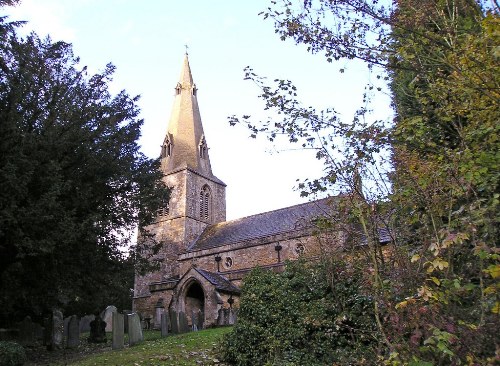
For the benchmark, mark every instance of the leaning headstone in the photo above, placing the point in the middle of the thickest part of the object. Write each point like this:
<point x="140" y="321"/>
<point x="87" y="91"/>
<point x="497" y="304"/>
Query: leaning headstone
<point x="118" y="331"/>
<point x="85" y="323"/>
<point x="107" y="317"/>
<point x="97" y="330"/>
<point x="73" y="338"/>
<point x="174" y="321"/>
<point x="164" y="324"/>
<point x="183" y="323"/>
<point x="134" y="329"/>
<point x="200" y="318"/>
<point x="57" y="331"/>
<point x="26" y="332"/>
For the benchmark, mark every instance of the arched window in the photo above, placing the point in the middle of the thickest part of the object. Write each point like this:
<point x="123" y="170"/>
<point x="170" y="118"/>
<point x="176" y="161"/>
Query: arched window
<point x="166" y="148"/>
<point x="178" y="89"/>
<point x="205" y="203"/>
<point x="164" y="208"/>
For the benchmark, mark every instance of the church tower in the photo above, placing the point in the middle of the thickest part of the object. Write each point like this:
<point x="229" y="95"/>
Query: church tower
<point x="197" y="199"/>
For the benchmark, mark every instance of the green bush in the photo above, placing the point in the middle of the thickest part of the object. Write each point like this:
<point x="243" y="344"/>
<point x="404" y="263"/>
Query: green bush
<point x="12" y="354"/>
<point x="311" y="314"/>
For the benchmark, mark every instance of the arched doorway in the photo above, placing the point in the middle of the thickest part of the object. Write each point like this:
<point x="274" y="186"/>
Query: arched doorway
<point x="194" y="305"/>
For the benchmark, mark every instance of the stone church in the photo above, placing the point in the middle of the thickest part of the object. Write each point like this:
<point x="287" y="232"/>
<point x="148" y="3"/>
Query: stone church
<point x="204" y="257"/>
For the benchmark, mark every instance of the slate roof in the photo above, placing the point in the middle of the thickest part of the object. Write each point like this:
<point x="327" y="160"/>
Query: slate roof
<point x="285" y="220"/>
<point x="220" y="282"/>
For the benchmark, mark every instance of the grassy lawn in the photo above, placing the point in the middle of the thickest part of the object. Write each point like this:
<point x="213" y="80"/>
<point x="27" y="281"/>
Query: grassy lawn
<point x="195" y="348"/>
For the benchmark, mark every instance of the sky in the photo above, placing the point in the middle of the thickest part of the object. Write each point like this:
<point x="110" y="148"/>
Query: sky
<point x="146" y="41"/>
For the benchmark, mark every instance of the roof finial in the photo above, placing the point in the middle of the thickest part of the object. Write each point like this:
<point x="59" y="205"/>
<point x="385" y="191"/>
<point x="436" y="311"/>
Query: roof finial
<point x="186" y="49"/>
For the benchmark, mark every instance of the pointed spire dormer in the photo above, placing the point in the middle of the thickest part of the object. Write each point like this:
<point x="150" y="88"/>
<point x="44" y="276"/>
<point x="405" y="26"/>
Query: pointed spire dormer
<point x="184" y="144"/>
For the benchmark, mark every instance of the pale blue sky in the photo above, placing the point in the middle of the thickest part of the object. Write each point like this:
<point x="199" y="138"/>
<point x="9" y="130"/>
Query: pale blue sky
<point x="145" y="40"/>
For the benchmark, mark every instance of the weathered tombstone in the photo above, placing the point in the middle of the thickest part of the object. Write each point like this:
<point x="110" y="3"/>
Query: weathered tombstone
<point x="174" y="322"/>
<point x="26" y="332"/>
<point x="125" y="318"/>
<point x="200" y="320"/>
<point x="183" y="323"/>
<point x="56" y="330"/>
<point x="107" y="317"/>
<point x="226" y="316"/>
<point x="97" y="330"/>
<point x="164" y="324"/>
<point x="118" y="331"/>
<point x="159" y="308"/>
<point x="194" y="322"/>
<point x="85" y="323"/>
<point x="220" y="317"/>
<point x="66" y="322"/>
<point x="73" y="337"/>
<point x="231" y="317"/>
<point x="134" y="329"/>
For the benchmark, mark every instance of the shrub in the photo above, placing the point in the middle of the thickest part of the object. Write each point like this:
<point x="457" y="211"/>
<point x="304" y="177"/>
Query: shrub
<point x="311" y="314"/>
<point x="12" y="354"/>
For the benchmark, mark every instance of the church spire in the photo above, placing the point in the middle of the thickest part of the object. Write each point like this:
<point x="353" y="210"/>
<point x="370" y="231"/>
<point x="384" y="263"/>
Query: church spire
<point x="184" y="145"/>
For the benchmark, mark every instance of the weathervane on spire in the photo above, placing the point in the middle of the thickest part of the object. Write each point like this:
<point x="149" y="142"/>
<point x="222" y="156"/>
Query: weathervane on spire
<point x="186" y="49"/>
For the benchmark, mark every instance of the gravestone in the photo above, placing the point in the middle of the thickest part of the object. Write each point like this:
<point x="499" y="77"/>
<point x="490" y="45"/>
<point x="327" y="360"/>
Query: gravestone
<point x="134" y="329"/>
<point x="85" y="323"/>
<point x="226" y="316"/>
<point x="220" y="317"/>
<point x="125" y="318"/>
<point x="183" y="323"/>
<point x="174" y="321"/>
<point x="118" y="331"/>
<point x="194" y="321"/>
<point x="200" y="318"/>
<point x="56" y="330"/>
<point x="164" y="324"/>
<point x="97" y="330"/>
<point x="73" y="337"/>
<point x="231" y="317"/>
<point x="107" y="317"/>
<point x="27" y="332"/>
<point x="159" y="308"/>
<point x="66" y="322"/>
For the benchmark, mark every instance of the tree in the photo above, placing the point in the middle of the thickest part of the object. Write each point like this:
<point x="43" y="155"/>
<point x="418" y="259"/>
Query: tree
<point x="311" y="314"/>
<point x="436" y="285"/>
<point x="74" y="183"/>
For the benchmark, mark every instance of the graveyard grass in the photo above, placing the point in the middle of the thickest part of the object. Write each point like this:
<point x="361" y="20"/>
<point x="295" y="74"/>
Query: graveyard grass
<point x="193" y="348"/>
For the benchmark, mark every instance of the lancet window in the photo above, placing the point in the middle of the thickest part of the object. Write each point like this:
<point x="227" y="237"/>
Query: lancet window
<point x="205" y="203"/>
<point x="164" y="208"/>
<point x="166" y="148"/>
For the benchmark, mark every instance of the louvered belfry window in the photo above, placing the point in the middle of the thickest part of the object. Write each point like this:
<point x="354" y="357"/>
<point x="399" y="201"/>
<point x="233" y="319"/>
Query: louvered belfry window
<point x="205" y="202"/>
